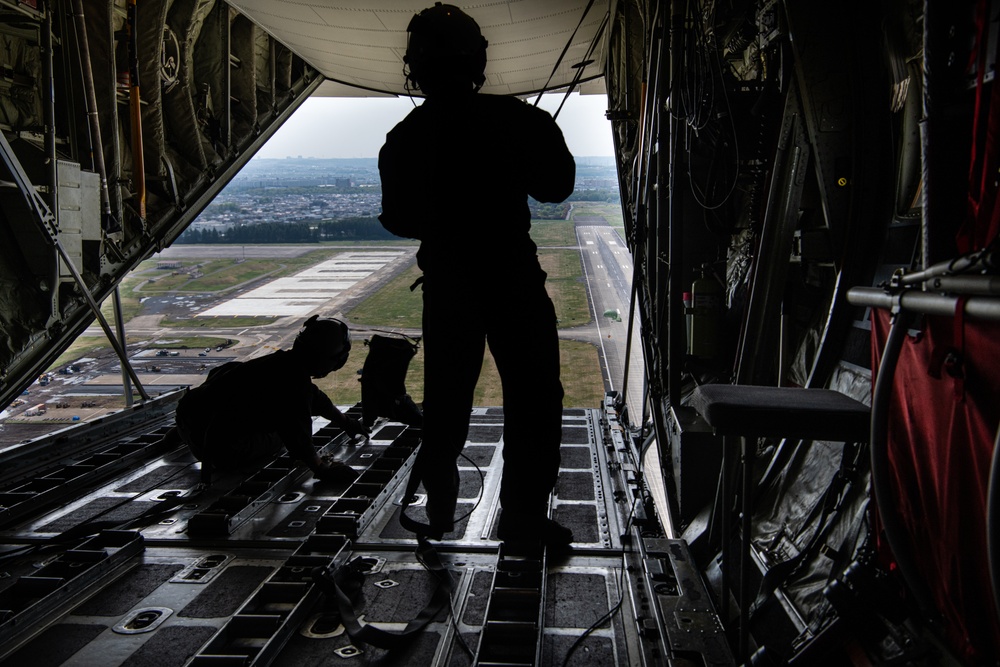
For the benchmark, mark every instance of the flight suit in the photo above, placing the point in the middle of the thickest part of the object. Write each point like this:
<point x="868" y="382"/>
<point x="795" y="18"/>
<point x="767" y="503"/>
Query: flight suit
<point x="246" y="411"/>
<point x="456" y="174"/>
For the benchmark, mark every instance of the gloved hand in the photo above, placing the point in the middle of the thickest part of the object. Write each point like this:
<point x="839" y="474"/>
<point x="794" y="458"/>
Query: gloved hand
<point x="354" y="428"/>
<point x="335" y="472"/>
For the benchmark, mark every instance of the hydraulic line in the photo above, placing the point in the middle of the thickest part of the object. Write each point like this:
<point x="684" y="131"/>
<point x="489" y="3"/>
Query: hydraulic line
<point x="49" y="111"/>
<point x="47" y="44"/>
<point x="907" y="304"/>
<point x="97" y="158"/>
<point x="135" y="112"/>
<point x="97" y="145"/>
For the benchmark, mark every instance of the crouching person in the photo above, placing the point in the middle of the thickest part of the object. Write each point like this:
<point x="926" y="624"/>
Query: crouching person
<point x="245" y="412"/>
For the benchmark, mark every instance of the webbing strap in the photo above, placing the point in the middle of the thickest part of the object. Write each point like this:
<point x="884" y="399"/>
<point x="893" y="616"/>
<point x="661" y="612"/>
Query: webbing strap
<point x="345" y="584"/>
<point x="423" y="531"/>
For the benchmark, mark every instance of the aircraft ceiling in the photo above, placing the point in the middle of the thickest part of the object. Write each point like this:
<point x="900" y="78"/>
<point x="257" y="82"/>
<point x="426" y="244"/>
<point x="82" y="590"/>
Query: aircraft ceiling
<point x="358" y="45"/>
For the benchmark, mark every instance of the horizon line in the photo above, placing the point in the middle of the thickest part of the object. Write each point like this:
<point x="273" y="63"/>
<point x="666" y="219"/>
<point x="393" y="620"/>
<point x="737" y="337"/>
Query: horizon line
<point x="366" y="157"/>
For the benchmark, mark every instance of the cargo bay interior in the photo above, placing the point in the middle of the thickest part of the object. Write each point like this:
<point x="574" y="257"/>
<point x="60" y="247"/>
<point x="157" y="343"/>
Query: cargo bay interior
<point x="798" y="159"/>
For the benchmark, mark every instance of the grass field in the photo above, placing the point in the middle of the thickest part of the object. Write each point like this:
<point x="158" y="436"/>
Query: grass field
<point x="221" y="274"/>
<point x="553" y="233"/>
<point x="580" y="370"/>
<point x="394" y="305"/>
<point x="130" y="300"/>
<point x="612" y="213"/>
<point x="565" y="286"/>
<point x="234" y="322"/>
<point x="216" y="275"/>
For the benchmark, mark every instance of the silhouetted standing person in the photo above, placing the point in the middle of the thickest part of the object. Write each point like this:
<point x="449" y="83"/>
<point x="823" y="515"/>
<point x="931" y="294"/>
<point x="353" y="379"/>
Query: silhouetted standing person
<point x="456" y="174"/>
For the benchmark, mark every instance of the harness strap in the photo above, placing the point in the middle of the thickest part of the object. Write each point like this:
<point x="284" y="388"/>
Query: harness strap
<point x="423" y="531"/>
<point x="344" y="586"/>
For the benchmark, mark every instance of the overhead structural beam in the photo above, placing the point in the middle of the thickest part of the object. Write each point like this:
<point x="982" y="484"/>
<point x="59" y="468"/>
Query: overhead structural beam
<point x="43" y="217"/>
<point x="915" y="301"/>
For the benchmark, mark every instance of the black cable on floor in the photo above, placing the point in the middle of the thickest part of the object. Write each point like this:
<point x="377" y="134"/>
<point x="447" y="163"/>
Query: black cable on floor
<point x="621" y="595"/>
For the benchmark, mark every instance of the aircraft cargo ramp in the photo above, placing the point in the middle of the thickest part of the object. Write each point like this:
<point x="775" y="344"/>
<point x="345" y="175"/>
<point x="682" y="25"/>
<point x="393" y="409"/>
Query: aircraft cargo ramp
<point x="119" y="555"/>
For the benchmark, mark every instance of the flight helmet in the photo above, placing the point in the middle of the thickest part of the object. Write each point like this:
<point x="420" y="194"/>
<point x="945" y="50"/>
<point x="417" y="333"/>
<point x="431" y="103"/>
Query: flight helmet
<point x="445" y="51"/>
<point x="324" y="344"/>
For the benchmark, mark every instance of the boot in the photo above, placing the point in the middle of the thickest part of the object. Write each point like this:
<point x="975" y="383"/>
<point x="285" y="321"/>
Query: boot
<point x="533" y="527"/>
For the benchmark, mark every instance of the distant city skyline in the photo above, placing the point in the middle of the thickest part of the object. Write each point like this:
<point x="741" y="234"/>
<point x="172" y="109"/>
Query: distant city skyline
<point x="339" y="127"/>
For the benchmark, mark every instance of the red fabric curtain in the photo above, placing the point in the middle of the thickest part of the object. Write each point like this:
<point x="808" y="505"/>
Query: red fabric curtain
<point x="942" y="431"/>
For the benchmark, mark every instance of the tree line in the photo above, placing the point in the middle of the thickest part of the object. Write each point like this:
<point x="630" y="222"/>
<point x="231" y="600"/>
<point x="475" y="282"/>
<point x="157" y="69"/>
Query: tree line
<point x="348" y="229"/>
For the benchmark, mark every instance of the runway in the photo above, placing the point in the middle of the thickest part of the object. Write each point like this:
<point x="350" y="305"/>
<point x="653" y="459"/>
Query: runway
<point x="608" y="270"/>
<point x="607" y="266"/>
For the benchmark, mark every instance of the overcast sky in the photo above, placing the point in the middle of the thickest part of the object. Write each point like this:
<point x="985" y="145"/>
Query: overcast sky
<point x="356" y="127"/>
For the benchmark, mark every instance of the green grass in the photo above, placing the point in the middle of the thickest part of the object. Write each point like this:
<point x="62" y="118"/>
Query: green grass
<point x="84" y="346"/>
<point x="392" y="306"/>
<point x="399" y="242"/>
<point x="580" y="371"/>
<point x="233" y="275"/>
<point x="565" y="286"/>
<point x="553" y="233"/>
<point x="164" y="282"/>
<point x="581" y="374"/>
<point x="295" y="264"/>
<point x="217" y="275"/>
<point x="235" y="322"/>
<point x="610" y="212"/>
<point x="130" y="300"/>
<point x="396" y="306"/>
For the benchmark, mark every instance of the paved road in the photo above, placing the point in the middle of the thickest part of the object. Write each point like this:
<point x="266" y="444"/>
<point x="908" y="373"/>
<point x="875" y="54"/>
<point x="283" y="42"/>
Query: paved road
<point x="608" y="266"/>
<point x="608" y="271"/>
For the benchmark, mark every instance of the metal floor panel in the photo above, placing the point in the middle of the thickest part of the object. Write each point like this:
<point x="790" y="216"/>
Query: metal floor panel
<point x="240" y="591"/>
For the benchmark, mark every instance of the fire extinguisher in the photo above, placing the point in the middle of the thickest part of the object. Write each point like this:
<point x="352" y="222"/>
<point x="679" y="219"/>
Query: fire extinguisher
<point x="706" y="315"/>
